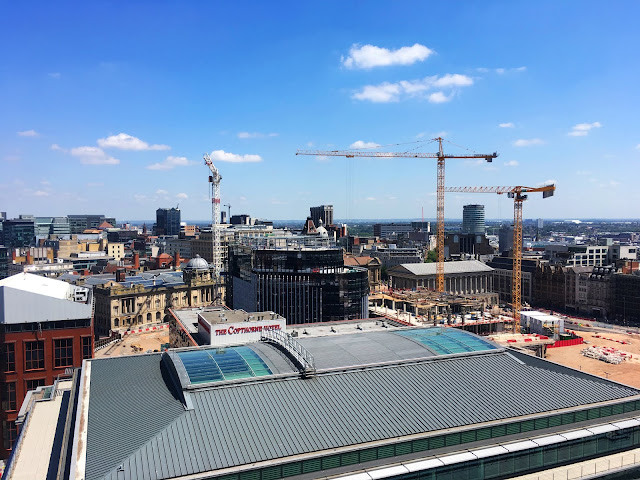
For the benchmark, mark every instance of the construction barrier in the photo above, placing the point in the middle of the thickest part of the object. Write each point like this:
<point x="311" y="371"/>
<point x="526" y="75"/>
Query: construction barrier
<point x="567" y="343"/>
<point x="147" y="329"/>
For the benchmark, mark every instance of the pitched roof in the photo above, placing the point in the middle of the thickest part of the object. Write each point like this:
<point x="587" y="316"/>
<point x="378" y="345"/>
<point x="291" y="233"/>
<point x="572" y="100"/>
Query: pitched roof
<point x="245" y="422"/>
<point x="420" y="269"/>
<point x="104" y="225"/>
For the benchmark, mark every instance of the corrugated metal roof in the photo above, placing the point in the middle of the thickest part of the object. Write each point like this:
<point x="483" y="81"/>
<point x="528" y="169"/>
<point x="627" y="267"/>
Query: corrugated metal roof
<point x="464" y="266"/>
<point x="136" y="422"/>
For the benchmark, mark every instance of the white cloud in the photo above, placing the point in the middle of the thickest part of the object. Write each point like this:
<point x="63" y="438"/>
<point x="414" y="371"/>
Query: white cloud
<point x="161" y="192"/>
<point x="613" y="183"/>
<point x="523" y="142"/>
<point x="322" y="158"/>
<point x="41" y="193"/>
<point x="369" y="56"/>
<point x="511" y="163"/>
<point x="170" y="163"/>
<point x="482" y="70"/>
<point x="360" y="144"/>
<point x="583" y="172"/>
<point x="582" y="129"/>
<point x="638" y="147"/>
<point x="506" y="125"/>
<point x="439" y="97"/>
<point x="55" y="75"/>
<point x="182" y="195"/>
<point x="242" y="198"/>
<point x="244" y="135"/>
<point x="57" y="147"/>
<point x="28" y="133"/>
<point x="93" y="156"/>
<point x="370" y="199"/>
<point x="127" y="142"/>
<point x="275" y="201"/>
<point x="500" y="71"/>
<point x="222" y="156"/>
<point x="11" y="158"/>
<point x="393" y="92"/>
<point x="45" y="182"/>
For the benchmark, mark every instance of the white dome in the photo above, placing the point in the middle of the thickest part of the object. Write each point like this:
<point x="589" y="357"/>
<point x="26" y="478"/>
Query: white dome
<point x="198" y="263"/>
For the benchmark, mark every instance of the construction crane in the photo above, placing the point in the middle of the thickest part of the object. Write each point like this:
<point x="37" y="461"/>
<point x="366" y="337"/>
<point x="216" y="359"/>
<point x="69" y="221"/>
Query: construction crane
<point x="518" y="195"/>
<point x="214" y="180"/>
<point x="441" y="156"/>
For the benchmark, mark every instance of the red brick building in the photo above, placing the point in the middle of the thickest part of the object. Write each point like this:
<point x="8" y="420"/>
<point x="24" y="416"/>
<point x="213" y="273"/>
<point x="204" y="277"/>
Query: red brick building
<point x="45" y="327"/>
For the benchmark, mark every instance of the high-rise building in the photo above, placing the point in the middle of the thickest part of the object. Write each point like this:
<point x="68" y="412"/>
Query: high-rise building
<point x="45" y="226"/>
<point x="324" y="212"/>
<point x="505" y="238"/>
<point x="4" y="262"/>
<point x="473" y="219"/>
<point x="168" y="221"/>
<point x="303" y="279"/>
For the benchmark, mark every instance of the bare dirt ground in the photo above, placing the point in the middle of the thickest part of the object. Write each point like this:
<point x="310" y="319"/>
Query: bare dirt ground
<point x="627" y="372"/>
<point x="141" y="341"/>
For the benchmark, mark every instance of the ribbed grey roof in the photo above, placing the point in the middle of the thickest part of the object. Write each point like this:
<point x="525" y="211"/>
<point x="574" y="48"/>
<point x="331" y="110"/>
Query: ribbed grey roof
<point x="136" y="422"/>
<point x="464" y="266"/>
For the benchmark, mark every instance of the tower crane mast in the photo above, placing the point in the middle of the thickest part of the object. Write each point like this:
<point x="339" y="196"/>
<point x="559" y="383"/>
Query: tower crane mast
<point x="214" y="180"/>
<point x="440" y="156"/>
<point x="518" y="195"/>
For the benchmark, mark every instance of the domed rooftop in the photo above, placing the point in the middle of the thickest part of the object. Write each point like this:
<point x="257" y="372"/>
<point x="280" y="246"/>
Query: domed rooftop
<point x="322" y="232"/>
<point x="198" y="263"/>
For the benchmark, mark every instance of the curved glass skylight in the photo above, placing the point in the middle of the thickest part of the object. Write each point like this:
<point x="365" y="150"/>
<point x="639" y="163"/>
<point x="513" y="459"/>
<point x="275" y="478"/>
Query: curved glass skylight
<point x="445" y="341"/>
<point x="222" y="364"/>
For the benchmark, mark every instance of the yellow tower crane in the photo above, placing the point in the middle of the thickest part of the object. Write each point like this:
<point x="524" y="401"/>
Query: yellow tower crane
<point x="517" y="193"/>
<point x="440" y="156"/>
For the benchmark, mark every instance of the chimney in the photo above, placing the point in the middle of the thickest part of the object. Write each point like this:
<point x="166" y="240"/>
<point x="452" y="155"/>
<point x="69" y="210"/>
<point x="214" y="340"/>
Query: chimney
<point x="136" y="260"/>
<point x="120" y="275"/>
<point x="176" y="260"/>
<point x="29" y="260"/>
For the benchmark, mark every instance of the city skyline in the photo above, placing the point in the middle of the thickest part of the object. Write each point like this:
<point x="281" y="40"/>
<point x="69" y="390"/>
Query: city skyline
<point x="114" y="115"/>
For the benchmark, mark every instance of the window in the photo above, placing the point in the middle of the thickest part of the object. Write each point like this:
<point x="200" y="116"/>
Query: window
<point x="34" y="355"/>
<point x="9" y="396"/>
<point x="87" y="351"/>
<point x="9" y="433"/>
<point x="33" y="384"/>
<point x="9" y="357"/>
<point x="63" y="352"/>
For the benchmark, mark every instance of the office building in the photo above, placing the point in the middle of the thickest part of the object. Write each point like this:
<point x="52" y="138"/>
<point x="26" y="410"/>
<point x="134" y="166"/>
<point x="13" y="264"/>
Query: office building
<point x="19" y="232"/>
<point x="167" y="221"/>
<point x="460" y="278"/>
<point x="473" y="219"/>
<point x="505" y="238"/>
<point x="45" y="327"/>
<point x="401" y="404"/>
<point x="324" y="213"/>
<point x="391" y="255"/>
<point x="79" y="223"/>
<point x="4" y="262"/>
<point x="58" y="226"/>
<point x="503" y="278"/>
<point x="302" y="279"/>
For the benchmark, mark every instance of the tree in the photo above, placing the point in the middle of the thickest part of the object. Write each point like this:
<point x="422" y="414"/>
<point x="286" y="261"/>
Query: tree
<point x="432" y="256"/>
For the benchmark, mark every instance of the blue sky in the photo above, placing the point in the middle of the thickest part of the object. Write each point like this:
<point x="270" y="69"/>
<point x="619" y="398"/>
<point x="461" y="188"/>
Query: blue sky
<point x="107" y="107"/>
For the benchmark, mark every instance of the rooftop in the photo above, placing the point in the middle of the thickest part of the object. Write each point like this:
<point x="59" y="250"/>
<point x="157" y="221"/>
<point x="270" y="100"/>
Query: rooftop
<point x="231" y="408"/>
<point x="464" y="266"/>
<point x="28" y="298"/>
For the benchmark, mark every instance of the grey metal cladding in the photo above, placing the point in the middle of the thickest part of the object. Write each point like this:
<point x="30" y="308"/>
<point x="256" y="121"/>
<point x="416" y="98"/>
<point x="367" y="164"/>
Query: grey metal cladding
<point x="130" y="403"/>
<point x="252" y="422"/>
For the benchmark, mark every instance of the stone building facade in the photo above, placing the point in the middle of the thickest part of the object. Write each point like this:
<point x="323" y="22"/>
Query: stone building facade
<point x="146" y="299"/>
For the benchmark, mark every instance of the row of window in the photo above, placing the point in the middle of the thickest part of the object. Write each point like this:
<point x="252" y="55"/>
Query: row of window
<point x="432" y="443"/>
<point x="34" y="354"/>
<point x="9" y="400"/>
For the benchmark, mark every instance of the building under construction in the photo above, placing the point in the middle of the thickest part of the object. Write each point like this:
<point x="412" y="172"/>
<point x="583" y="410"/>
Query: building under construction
<point x="433" y="307"/>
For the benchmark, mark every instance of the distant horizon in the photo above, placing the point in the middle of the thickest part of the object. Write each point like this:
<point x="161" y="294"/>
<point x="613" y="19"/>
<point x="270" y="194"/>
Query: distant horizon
<point x="432" y="220"/>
